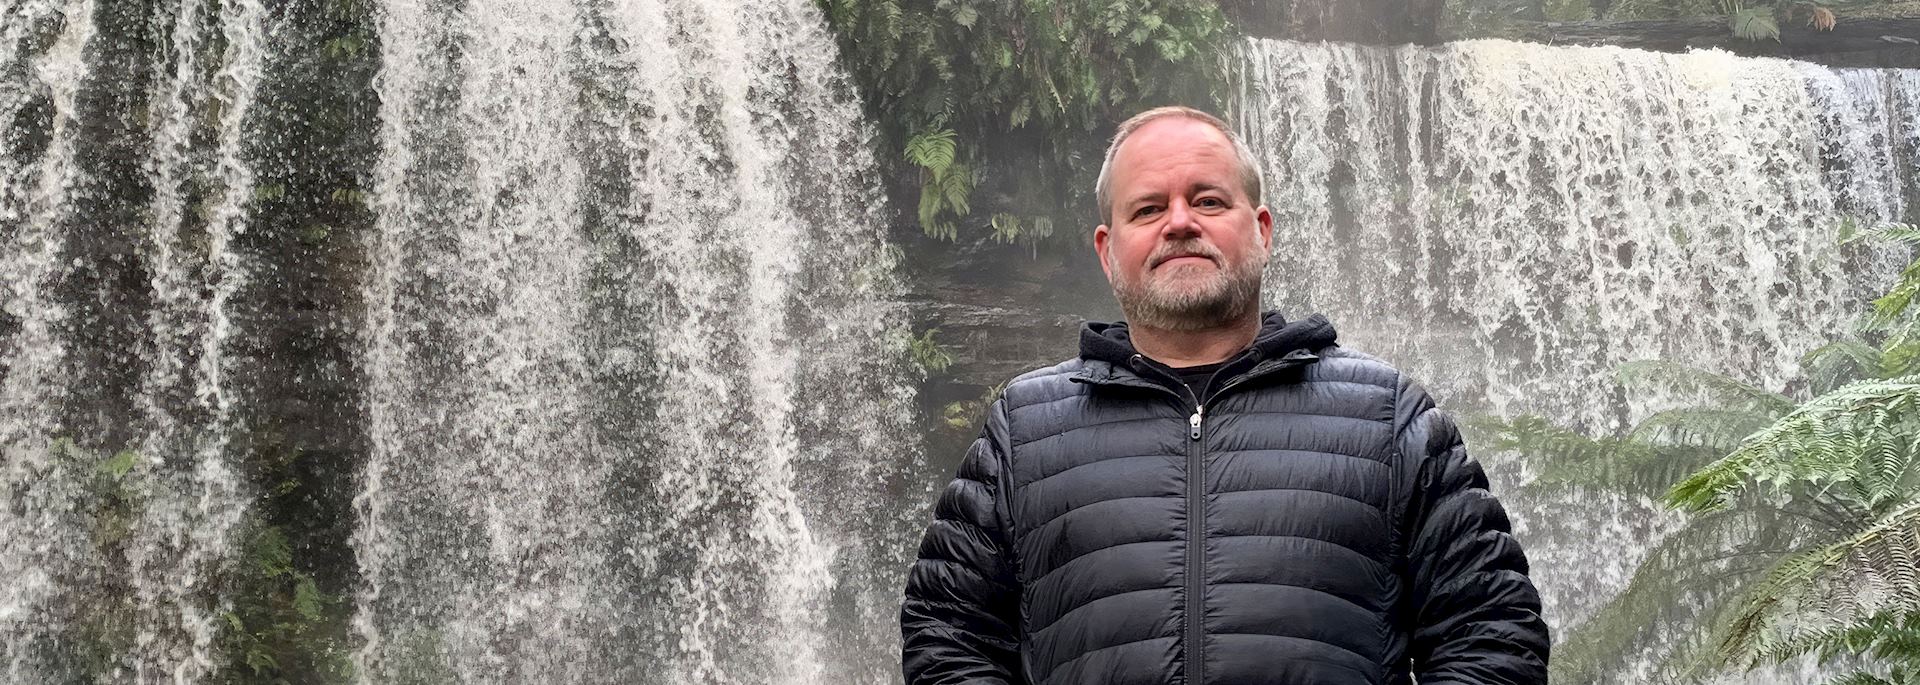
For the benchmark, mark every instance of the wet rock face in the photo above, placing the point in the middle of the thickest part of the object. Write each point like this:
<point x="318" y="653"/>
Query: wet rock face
<point x="1001" y="310"/>
<point x="1378" y="22"/>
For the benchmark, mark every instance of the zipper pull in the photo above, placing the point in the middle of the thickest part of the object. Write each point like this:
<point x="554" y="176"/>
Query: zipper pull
<point x="1194" y="422"/>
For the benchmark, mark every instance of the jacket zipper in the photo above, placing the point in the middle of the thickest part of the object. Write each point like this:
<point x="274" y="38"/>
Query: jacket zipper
<point x="1197" y="502"/>
<point x="1196" y="530"/>
<point x="1197" y="545"/>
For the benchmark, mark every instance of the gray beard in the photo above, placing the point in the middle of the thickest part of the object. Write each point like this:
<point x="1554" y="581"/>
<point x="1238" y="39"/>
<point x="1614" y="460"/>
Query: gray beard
<point x="1231" y="296"/>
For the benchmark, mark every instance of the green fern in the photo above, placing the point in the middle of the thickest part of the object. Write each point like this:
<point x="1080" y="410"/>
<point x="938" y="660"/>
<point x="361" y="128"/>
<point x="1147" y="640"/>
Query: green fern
<point x="1019" y="91"/>
<point x="1806" y="530"/>
<point x="1706" y="562"/>
<point x="1754" y="23"/>
<point x="1835" y="363"/>
<point x="1816" y="444"/>
<point x="1892" y="638"/>
<point x="1719" y="389"/>
<point x="933" y="150"/>
<point x="1810" y="597"/>
<point x="1564" y="456"/>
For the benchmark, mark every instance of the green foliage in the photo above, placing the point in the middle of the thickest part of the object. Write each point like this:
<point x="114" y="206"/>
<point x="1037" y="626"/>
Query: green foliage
<point x="1749" y="20"/>
<point x="1893" y="311"/>
<point x="945" y="187"/>
<point x="1857" y="443"/>
<point x="928" y="354"/>
<point x="269" y="192"/>
<point x="1754" y="23"/>
<point x="1892" y="638"/>
<point x="278" y="628"/>
<point x="1566" y="457"/>
<point x="1806" y="525"/>
<point x="1005" y="105"/>
<point x="113" y="499"/>
<point x="1718" y="389"/>
<point x="1566" y="10"/>
<point x="345" y="47"/>
<point x="932" y="150"/>
<point x="968" y="414"/>
<point x="107" y="498"/>
<point x="1686" y="581"/>
<point x="1811" y="598"/>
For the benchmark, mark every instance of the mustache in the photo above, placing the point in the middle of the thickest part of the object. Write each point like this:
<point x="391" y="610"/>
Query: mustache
<point x="1184" y="248"/>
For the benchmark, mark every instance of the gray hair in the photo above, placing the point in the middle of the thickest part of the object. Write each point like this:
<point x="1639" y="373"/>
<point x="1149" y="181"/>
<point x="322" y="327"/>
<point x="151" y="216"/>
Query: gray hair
<point x="1243" y="156"/>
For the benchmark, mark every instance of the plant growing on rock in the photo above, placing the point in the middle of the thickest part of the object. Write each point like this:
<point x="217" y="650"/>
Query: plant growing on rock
<point x="1004" y="106"/>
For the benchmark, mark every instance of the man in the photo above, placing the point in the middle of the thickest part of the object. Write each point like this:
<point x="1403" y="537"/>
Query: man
<point x="1209" y="495"/>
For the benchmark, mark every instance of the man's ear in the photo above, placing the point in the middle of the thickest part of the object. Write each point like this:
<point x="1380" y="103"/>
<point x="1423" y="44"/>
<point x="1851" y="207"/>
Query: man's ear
<point x="1263" y="220"/>
<point x="1101" y="236"/>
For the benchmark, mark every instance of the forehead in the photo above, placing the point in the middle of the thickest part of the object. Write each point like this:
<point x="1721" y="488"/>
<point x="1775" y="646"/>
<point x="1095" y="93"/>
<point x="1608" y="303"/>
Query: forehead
<point x="1173" y="149"/>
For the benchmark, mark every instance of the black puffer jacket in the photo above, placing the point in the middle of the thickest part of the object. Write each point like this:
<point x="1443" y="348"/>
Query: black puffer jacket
<point x="1347" y="536"/>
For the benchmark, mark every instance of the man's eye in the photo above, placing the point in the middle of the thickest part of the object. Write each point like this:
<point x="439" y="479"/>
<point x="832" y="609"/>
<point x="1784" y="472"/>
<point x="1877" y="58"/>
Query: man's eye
<point x="1211" y="202"/>
<point x="1143" y="211"/>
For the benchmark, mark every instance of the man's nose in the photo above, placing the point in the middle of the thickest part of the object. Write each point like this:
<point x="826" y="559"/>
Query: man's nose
<point x="1180" y="224"/>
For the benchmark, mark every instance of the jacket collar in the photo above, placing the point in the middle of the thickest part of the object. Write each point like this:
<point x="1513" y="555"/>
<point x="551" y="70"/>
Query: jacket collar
<point x="1110" y="358"/>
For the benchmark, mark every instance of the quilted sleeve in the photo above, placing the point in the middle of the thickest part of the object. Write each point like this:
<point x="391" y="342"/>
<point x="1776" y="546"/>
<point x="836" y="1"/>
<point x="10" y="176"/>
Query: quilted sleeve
<point x="959" y="621"/>
<point x="1476" y="615"/>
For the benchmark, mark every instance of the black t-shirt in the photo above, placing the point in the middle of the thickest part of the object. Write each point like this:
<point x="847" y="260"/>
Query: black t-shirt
<point x="1197" y="377"/>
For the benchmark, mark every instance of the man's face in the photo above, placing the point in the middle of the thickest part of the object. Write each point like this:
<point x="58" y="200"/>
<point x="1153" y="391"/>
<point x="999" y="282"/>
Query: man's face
<point x="1186" y="246"/>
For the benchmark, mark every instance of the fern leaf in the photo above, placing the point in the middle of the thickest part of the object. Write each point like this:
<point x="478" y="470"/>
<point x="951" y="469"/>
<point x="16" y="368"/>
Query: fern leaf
<point x="1755" y="23"/>
<point x="1860" y="678"/>
<point x="1890" y="231"/>
<point x="1720" y="388"/>
<point x="1890" y="306"/>
<point x="1707" y="563"/>
<point x="933" y="150"/>
<point x="956" y="186"/>
<point x="1719" y="430"/>
<point x="1840" y="361"/>
<point x="1807" y="597"/>
<point x="1805" y="446"/>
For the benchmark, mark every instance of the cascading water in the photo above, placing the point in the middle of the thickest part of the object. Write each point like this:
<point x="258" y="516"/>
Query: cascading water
<point x="631" y="370"/>
<point x="1510" y="222"/>
<point x="620" y="366"/>
<point x="121" y="497"/>
<point x="42" y="541"/>
<point x="193" y="499"/>
<point x="632" y="355"/>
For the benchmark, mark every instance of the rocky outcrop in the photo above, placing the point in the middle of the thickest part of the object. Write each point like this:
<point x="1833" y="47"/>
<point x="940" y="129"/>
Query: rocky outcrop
<point x="1376" y="22"/>
<point x="1874" y="41"/>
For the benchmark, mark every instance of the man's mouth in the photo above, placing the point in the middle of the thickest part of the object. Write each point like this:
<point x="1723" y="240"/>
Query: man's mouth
<point x="1183" y="259"/>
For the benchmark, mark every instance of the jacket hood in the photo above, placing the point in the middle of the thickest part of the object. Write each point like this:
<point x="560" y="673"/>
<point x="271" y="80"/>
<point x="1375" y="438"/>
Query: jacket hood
<point x="1113" y="343"/>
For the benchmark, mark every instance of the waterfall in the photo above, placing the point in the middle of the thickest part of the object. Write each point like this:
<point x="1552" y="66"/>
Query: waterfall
<point x="632" y="352"/>
<point x="122" y="499"/>
<point x="620" y="365"/>
<point x="1509" y="222"/>
<point x="582" y="357"/>
<point x="41" y="536"/>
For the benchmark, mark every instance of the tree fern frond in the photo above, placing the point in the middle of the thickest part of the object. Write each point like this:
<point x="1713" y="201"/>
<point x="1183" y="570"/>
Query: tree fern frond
<point x="1901" y="354"/>
<point x="1809" y="597"/>
<point x="1544" y="440"/>
<point x="1690" y="578"/>
<point x="1892" y="637"/>
<point x="1647" y="462"/>
<point x="1841" y="361"/>
<point x="1860" y="678"/>
<point x="1888" y="308"/>
<point x="1720" y="430"/>
<point x="1889" y="231"/>
<point x="1808" y="446"/>
<point x="1721" y="389"/>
